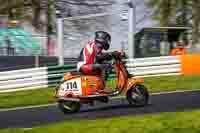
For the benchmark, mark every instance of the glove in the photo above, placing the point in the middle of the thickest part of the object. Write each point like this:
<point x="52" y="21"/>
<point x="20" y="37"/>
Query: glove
<point x="103" y="56"/>
<point x="116" y="54"/>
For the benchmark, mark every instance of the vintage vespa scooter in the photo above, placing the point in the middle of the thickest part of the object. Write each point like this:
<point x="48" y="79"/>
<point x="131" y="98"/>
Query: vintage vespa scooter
<point x="77" y="89"/>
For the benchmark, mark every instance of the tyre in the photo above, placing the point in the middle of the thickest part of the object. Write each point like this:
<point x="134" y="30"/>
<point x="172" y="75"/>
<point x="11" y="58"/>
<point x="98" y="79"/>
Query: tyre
<point x="69" y="106"/>
<point x="138" y="96"/>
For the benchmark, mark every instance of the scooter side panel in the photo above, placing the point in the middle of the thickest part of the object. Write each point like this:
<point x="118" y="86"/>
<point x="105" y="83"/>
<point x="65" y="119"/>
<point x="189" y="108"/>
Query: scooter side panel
<point x="77" y="86"/>
<point x="91" y="84"/>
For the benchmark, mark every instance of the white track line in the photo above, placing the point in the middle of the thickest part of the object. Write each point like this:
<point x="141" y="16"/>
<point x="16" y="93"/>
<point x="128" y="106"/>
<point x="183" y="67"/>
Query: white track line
<point x="53" y="104"/>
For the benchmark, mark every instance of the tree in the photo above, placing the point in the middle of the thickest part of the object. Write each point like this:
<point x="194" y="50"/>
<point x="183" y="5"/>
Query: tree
<point x="49" y="25"/>
<point x="14" y="9"/>
<point x="20" y="9"/>
<point x="182" y="7"/>
<point x="189" y="10"/>
<point x="181" y="12"/>
<point x="195" y="21"/>
<point x="36" y="13"/>
<point x="163" y="10"/>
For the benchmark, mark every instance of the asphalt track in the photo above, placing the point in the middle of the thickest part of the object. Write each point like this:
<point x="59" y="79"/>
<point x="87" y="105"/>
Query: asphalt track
<point x="26" y="118"/>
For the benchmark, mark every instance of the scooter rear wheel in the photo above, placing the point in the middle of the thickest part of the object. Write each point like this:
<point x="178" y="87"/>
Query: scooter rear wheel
<point x="69" y="106"/>
<point x="138" y="96"/>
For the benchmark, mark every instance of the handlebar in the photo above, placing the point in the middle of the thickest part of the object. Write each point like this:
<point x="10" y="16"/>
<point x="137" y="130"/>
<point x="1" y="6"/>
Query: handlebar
<point x="118" y="55"/>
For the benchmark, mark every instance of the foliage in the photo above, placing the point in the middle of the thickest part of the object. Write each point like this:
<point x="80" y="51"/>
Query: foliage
<point x="178" y="13"/>
<point x="28" y="9"/>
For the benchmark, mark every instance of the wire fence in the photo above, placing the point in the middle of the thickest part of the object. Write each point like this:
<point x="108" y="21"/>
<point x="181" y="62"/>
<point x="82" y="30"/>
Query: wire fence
<point x="79" y="29"/>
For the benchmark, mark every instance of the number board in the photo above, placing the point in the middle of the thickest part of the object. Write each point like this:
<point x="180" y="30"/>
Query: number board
<point x="71" y="86"/>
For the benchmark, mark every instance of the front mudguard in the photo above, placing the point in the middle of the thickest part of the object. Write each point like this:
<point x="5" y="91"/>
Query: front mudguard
<point x="132" y="82"/>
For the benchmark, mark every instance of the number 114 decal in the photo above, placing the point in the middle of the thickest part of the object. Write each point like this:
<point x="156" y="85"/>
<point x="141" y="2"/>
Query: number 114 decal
<point x="71" y="85"/>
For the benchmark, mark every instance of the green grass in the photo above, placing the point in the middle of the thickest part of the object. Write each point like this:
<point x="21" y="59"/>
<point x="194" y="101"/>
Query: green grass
<point x="24" y="98"/>
<point x="182" y="122"/>
<point x="170" y="83"/>
<point x="45" y="95"/>
<point x="173" y="83"/>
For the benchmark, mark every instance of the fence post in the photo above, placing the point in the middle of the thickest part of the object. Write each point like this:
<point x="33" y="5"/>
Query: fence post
<point x="132" y="27"/>
<point x="60" y="48"/>
<point x="37" y="61"/>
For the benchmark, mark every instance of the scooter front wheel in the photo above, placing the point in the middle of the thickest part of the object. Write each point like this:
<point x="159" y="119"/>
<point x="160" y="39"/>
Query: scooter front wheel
<point x="69" y="106"/>
<point x="138" y="95"/>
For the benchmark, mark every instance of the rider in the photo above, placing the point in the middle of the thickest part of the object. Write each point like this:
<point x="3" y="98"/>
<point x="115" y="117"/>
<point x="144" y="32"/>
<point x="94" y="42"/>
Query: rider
<point x="91" y="59"/>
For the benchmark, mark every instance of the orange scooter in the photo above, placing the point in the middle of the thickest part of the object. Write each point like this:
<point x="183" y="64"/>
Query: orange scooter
<point x="77" y="89"/>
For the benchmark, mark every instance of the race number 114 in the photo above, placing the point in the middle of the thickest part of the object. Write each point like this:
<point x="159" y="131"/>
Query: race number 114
<point x="71" y="85"/>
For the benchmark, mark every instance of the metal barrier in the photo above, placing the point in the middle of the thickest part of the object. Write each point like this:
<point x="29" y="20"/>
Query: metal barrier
<point x="34" y="78"/>
<point x="155" y="66"/>
<point x="41" y="77"/>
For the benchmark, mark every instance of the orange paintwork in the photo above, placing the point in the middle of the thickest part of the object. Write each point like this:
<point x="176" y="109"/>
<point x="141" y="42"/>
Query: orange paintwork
<point x="133" y="81"/>
<point x="68" y="76"/>
<point x="178" y="51"/>
<point x="121" y="79"/>
<point x="90" y="84"/>
<point x="190" y="64"/>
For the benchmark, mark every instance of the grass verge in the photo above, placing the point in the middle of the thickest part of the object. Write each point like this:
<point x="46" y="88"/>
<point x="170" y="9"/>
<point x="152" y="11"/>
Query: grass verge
<point x="45" y="95"/>
<point x="26" y="98"/>
<point x="182" y="122"/>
